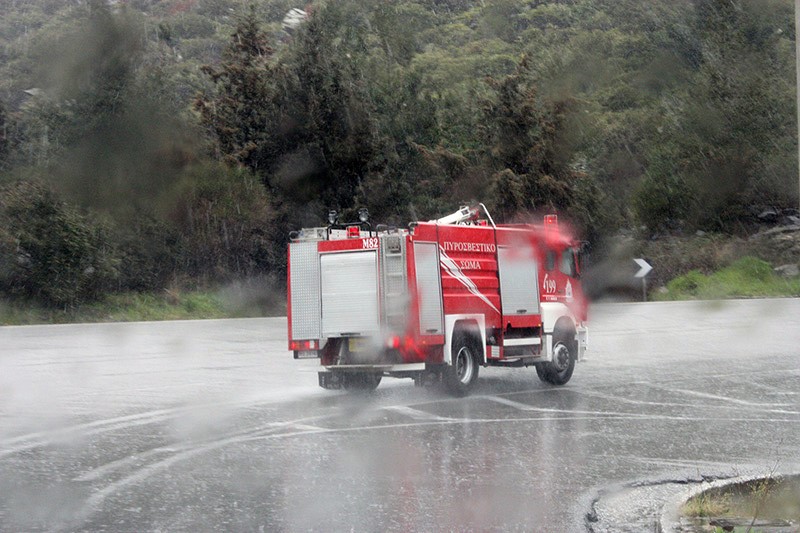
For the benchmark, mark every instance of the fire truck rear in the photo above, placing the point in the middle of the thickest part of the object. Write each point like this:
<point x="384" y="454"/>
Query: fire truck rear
<point x="436" y="301"/>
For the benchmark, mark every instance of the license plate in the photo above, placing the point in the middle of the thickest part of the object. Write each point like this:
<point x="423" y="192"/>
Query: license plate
<point x="357" y="344"/>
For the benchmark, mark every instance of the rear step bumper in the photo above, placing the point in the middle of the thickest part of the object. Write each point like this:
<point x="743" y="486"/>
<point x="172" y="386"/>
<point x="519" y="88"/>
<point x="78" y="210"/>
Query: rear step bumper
<point x="406" y="367"/>
<point x="333" y="377"/>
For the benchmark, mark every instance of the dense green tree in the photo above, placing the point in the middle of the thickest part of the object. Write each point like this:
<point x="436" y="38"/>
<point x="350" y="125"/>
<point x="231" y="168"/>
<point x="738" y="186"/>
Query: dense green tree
<point x="331" y="116"/>
<point x="151" y="252"/>
<point x="240" y="113"/>
<point x="523" y="136"/>
<point x="742" y="118"/>
<point x="51" y="251"/>
<point x="676" y="115"/>
<point x="100" y="126"/>
<point x="226" y="219"/>
<point x="527" y="140"/>
<point x="400" y="27"/>
<point x="719" y="156"/>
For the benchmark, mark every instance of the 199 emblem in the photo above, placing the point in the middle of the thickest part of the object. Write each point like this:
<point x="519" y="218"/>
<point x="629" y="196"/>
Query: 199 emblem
<point x="548" y="285"/>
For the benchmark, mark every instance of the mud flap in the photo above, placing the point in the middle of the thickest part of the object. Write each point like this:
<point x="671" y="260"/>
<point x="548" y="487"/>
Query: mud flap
<point x="582" y="336"/>
<point x="330" y="380"/>
<point x="428" y="377"/>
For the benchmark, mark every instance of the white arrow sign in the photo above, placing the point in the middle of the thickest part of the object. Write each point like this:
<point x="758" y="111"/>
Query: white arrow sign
<point x="644" y="268"/>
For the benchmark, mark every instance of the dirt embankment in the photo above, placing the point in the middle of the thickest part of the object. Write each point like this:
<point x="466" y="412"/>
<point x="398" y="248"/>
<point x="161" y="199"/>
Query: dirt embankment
<point x="611" y="269"/>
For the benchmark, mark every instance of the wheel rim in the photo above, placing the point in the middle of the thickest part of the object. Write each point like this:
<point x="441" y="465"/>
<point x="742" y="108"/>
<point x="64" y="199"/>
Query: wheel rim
<point x="465" y="365"/>
<point x="561" y="357"/>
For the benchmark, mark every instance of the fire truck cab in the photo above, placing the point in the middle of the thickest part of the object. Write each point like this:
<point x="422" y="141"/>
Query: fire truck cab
<point x="436" y="301"/>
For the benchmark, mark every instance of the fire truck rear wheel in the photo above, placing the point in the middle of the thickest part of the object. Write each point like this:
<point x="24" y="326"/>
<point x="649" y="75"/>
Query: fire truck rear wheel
<point x="361" y="381"/>
<point x="461" y="375"/>
<point x="559" y="371"/>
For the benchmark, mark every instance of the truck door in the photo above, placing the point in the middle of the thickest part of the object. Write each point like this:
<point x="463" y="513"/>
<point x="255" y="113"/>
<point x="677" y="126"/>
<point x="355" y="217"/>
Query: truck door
<point x="429" y="288"/>
<point x="349" y="289"/>
<point x="519" y="284"/>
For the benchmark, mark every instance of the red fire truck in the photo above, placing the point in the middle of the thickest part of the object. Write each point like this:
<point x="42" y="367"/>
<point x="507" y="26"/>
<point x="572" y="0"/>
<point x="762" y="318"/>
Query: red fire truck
<point x="436" y="301"/>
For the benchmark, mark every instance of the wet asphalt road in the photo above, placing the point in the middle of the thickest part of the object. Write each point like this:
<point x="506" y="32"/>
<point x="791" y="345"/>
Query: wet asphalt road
<point x="211" y="426"/>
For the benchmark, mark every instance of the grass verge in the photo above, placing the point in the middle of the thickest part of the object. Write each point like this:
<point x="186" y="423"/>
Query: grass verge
<point x="131" y="307"/>
<point x="769" y="504"/>
<point x="747" y="277"/>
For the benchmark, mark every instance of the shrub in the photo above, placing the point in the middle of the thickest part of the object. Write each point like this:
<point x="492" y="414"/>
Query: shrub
<point x="149" y="252"/>
<point x="687" y="284"/>
<point x="49" y="250"/>
<point x="225" y="218"/>
<point x="662" y="202"/>
<point x="752" y="268"/>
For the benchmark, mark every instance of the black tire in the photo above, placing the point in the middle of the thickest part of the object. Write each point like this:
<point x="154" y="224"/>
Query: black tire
<point x="459" y="377"/>
<point x="565" y="351"/>
<point x="361" y="381"/>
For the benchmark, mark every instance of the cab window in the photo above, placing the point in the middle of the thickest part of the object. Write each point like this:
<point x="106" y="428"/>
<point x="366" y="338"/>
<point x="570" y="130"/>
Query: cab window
<point x="567" y="265"/>
<point x="549" y="260"/>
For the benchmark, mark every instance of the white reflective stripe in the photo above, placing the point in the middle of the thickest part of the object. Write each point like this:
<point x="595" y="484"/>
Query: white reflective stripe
<point x="530" y="341"/>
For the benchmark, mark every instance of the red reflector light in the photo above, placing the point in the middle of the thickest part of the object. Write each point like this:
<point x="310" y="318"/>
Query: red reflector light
<point x="303" y="345"/>
<point x="551" y="220"/>
<point x="353" y="232"/>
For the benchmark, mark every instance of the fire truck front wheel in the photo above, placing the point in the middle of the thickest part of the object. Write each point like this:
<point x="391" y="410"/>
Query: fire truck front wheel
<point x="460" y="376"/>
<point x="559" y="371"/>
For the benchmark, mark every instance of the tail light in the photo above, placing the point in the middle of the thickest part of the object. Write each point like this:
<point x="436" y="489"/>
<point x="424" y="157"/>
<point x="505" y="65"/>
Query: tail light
<point x="303" y="345"/>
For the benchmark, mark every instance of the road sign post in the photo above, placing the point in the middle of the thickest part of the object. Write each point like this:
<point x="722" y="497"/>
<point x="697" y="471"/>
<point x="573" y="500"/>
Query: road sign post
<point x="644" y="270"/>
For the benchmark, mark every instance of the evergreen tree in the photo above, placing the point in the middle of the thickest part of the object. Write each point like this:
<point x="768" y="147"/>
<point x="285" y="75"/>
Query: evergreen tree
<point x="328" y="102"/>
<point x="523" y="136"/>
<point x="527" y="143"/>
<point x="241" y="114"/>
